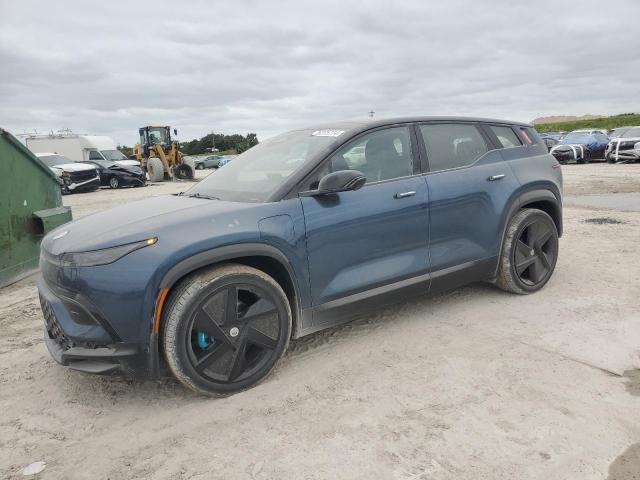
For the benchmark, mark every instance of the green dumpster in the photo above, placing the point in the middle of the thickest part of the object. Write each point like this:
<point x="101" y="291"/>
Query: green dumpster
<point x="30" y="207"/>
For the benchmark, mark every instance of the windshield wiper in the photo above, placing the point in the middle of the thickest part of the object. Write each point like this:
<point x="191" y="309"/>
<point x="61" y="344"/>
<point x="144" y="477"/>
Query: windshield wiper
<point x="198" y="195"/>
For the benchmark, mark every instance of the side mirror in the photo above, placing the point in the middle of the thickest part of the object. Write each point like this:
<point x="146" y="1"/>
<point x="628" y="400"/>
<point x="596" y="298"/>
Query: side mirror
<point x="341" y="181"/>
<point x="175" y="132"/>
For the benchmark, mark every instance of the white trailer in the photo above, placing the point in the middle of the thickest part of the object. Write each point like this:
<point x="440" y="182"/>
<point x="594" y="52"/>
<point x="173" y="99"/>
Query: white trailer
<point x="78" y="148"/>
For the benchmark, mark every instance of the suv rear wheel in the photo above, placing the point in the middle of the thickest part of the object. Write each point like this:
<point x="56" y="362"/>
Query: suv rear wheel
<point x="529" y="252"/>
<point x="225" y="329"/>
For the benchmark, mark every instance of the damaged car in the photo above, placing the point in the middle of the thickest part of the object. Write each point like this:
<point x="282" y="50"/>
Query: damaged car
<point x="73" y="176"/>
<point x="299" y="233"/>
<point x="116" y="175"/>
<point x="626" y="148"/>
<point x="581" y="146"/>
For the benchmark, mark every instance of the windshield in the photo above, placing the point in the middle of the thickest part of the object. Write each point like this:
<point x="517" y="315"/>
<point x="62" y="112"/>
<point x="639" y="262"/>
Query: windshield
<point x="113" y="155"/>
<point x="51" y="160"/>
<point x="631" y="133"/>
<point x="159" y="135"/>
<point x="254" y="174"/>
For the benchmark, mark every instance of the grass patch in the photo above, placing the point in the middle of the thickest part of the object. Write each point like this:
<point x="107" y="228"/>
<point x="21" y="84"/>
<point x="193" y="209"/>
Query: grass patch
<point x="606" y="123"/>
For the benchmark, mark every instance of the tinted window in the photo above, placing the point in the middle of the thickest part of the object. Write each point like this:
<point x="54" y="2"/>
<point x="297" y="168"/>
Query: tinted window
<point x="506" y="136"/>
<point x="528" y="136"/>
<point x="380" y="155"/>
<point x="451" y="145"/>
<point x="93" y="155"/>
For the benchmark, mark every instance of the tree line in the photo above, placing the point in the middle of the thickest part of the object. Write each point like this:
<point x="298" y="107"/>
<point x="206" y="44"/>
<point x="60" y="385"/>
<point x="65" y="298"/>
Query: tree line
<point x="229" y="144"/>
<point x="224" y="143"/>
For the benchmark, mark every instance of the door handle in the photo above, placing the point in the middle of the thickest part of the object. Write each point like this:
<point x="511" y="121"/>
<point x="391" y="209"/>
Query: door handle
<point x="493" y="178"/>
<point x="405" y="194"/>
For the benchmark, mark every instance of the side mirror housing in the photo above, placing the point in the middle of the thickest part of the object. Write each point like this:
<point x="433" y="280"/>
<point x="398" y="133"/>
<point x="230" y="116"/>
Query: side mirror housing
<point x="341" y="181"/>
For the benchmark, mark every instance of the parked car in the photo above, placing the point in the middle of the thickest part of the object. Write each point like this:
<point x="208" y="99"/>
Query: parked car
<point x="617" y="132"/>
<point x="212" y="161"/>
<point x="581" y="146"/>
<point x="625" y="148"/>
<point x="115" y="175"/>
<point x="73" y="176"/>
<point x="224" y="160"/>
<point x="280" y="244"/>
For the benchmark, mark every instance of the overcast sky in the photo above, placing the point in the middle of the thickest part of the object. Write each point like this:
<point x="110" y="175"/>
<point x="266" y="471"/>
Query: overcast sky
<point x="267" y="66"/>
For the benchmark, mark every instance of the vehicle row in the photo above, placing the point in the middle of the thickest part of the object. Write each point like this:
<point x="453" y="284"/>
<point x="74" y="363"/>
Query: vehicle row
<point x="91" y="174"/>
<point x="618" y="145"/>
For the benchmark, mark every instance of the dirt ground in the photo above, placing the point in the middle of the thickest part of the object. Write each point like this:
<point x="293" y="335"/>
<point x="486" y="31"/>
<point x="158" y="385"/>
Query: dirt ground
<point x="471" y="384"/>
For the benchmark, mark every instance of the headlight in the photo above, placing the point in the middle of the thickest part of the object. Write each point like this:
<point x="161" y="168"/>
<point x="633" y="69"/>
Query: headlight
<point x="636" y="146"/>
<point x="104" y="256"/>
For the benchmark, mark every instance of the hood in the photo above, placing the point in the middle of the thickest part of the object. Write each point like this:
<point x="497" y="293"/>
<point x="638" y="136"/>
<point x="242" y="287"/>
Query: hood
<point x="589" y="141"/>
<point x="127" y="168"/>
<point x="136" y="221"/>
<point x="628" y="139"/>
<point x="128" y="163"/>
<point x="73" y="167"/>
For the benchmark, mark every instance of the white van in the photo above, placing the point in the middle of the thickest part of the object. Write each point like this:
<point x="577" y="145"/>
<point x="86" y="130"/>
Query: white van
<point x="79" y="148"/>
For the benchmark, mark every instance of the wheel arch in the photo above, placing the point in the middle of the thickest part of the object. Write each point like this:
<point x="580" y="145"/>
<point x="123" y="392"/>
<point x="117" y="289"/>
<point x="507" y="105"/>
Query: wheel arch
<point x="540" y="198"/>
<point x="265" y="258"/>
<point x="546" y="201"/>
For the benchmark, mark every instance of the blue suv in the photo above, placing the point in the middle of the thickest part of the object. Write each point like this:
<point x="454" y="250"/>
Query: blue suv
<point x="302" y="232"/>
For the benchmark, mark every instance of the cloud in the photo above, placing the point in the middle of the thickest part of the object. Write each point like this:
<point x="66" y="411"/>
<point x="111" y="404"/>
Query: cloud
<point x="111" y="67"/>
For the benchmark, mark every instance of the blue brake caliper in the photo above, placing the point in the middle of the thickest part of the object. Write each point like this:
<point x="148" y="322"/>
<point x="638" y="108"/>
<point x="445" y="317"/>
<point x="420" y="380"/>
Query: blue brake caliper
<point x="204" y="340"/>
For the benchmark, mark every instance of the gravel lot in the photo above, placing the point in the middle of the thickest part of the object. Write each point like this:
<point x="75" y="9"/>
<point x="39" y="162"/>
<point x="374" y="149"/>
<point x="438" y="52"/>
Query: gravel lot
<point x="471" y="384"/>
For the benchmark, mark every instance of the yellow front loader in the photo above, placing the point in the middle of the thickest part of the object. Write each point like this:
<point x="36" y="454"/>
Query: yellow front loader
<point x="160" y="157"/>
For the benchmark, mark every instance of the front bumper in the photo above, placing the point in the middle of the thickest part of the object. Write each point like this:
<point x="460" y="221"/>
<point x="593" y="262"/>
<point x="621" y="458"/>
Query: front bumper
<point x="85" y="185"/>
<point x="624" y="155"/>
<point x="78" y="340"/>
<point x="129" y="180"/>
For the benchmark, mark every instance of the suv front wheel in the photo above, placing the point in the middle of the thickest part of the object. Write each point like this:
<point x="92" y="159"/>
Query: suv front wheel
<point x="529" y="252"/>
<point x="225" y="329"/>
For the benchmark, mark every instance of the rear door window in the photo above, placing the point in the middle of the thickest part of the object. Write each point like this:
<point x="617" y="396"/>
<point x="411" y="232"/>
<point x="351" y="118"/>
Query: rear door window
<point x="452" y="145"/>
<point x="506" y="136"/>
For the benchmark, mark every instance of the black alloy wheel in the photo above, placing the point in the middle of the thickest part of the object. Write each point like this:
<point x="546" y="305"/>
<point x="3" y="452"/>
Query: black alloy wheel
<point x="226" y="329"/>
<point x="529" y="252"/>
<point x="535" y="252"/>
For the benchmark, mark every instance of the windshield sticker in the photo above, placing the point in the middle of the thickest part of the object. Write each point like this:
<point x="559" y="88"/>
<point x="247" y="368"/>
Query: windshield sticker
<point x="327" y="133"/>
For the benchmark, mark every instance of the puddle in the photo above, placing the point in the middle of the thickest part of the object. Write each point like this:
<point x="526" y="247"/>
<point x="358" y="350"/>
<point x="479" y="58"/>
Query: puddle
<point x="603" y="221"/>
<point x="627" y="465"/>
<point x="629" y="202"/>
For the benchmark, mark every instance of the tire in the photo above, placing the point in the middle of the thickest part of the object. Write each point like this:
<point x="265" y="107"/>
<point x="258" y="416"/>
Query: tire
<point x="155" y="169"/>
<point x="529" y="252"/>
<point x="114" y="182"/>
<point x="218" y="351"/>
<point x="200" y="166"/>
<point x="187" y="173"/>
